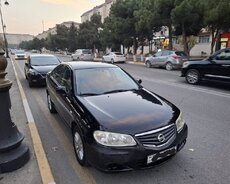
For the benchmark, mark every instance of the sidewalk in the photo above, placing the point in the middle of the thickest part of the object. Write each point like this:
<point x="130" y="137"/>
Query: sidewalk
<point x="29" y="173"/>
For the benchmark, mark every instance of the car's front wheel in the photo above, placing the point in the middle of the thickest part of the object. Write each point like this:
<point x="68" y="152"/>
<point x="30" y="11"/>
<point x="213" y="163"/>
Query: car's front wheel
<point x="79" y="146"/>
<point x="192" y="76"/>
<point x="148" y="64"/>
<point x="51" y="106"/>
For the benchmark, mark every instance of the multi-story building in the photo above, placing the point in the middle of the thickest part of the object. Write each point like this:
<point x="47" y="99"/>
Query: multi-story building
<point x="102" y="9"/>
<point x="53" y="31"/>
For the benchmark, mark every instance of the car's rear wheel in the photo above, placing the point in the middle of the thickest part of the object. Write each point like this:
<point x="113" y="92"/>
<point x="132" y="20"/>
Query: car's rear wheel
<point x="148" y="64"/>
<point x="169" y="66"/>
<point x="112" y="61"/>
<point x="50" y="104"/>
<point x="192" y="76"/>
<point x="79" y="146"/>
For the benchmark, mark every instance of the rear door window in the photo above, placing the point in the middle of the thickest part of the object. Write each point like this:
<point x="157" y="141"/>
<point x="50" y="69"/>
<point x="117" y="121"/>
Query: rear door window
<point x="180" y="53"/>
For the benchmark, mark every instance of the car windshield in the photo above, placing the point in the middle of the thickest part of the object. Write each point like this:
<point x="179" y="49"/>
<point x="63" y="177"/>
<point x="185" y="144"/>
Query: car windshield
<point x="86" y="51"/>
<point x="44" y="60"/>
<point x="99" y="81"/>
<point x="20" y="52"/>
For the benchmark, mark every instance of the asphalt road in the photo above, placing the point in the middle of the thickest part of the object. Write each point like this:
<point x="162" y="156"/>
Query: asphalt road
<point x="204" y="160"/>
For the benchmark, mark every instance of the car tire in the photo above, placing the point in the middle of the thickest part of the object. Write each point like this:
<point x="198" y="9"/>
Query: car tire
<point x="112" y="61"/>
<point x="72" y="58"/>
<point x="79" y="147"/>
<point x="148" y="64"/>
<point x="50" y="104"/>
<point x="103" y="60"/>
<point x="193" y="76"/>
<point x="169" y="66"/>
<point x="78" y="59"/>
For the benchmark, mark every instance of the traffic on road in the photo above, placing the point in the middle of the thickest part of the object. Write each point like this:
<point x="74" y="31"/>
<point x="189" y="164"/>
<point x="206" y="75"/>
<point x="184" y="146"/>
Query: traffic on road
<point x="205" y="110"/>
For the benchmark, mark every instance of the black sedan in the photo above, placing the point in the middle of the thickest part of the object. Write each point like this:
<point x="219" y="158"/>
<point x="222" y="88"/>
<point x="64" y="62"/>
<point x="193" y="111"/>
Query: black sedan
<point x="117" y="125"/>
<point x="215" y="67"/>
<point x="37" y="66"/>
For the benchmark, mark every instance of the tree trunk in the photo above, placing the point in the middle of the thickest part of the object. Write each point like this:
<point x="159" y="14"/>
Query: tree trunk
<point x="185" y="40"/>
<point x="134" y="49"/>
<point x="170" y="37"/>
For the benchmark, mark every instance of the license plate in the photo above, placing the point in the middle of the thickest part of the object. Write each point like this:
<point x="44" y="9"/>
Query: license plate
<point x="163" y="154"/>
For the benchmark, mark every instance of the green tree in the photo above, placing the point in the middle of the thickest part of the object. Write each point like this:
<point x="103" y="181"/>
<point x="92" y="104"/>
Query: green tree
<point x="187" y="17"/>
<point x="61" y="38"/>
<point x="72" y="38"/>
<point x="217" y="17"/>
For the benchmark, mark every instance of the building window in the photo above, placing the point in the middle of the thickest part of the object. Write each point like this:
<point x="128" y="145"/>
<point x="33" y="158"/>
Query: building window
<point x="204" y="39"/>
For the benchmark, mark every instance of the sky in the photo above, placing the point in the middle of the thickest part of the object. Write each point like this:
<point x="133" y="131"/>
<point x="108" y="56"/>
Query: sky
<point x="28" y="16"/>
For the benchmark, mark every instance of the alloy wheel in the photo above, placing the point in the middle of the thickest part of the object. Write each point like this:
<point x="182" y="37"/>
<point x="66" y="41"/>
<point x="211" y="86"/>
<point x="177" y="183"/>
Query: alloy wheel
<point x="192" y="77"/>
<point x="78" y="146"/>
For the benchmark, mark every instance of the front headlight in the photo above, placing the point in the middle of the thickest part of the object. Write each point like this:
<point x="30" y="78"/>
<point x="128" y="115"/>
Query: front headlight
<point x="180" y="123"/>
<point x="33" y="72"/>
<point x="113" y="139"/>
<point x="185" y="64"/>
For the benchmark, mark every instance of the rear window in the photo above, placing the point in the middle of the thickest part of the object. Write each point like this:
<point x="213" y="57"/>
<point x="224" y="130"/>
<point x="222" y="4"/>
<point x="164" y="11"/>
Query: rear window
<point x="180" y="53"/>
<point x="86" y="52"/>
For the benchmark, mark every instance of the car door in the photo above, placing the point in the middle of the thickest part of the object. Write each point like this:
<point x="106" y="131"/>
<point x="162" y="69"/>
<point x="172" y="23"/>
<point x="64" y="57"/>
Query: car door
<point x="162" y="60"/>
<point x="155" y="58"/>
<point x="27" y="67"/>
<point x="66" y="95"/>
<point x="222" y="63"/>
<point x="106" y="57"/>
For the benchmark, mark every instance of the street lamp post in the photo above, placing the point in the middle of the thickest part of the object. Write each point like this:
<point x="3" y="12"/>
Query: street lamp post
<point x="13" y="152"/>
<point x="3" y="29"/>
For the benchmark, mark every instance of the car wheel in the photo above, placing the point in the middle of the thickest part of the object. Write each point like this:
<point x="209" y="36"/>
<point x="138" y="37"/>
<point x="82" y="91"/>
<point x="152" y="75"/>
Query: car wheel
<point x="192" y="76"/>
<point x="148" y="64"/>
<point x="103" y="60"/>
<point x="169" y="66"/>
<point x="79" y="147"/>
<point x="78" y="59"/>
<point x="72" y="58"/>
<point x="50" y="104"/>
<point x="112" y="61"/>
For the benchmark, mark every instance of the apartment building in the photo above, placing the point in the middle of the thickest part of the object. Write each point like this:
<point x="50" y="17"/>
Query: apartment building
<point x="53" y="31"/>
<point x="102" y="9"/>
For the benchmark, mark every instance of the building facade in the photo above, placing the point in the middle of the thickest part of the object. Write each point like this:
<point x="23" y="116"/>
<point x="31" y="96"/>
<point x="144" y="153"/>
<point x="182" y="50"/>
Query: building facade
<point x="53" y="31"/>
<point x="102" y="10"/>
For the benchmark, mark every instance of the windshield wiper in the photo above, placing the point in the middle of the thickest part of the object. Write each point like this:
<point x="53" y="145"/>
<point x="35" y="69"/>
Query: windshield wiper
<point x="117" y="91"/>
<point x="89" y="94"/>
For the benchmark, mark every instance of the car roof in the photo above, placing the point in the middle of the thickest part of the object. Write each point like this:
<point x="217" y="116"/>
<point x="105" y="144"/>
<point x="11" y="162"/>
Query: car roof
<point x="41" y="55"/>
<point x="75" y="65"/>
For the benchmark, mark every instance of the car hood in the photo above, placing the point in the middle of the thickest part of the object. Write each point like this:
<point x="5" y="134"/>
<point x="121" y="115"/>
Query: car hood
<point x="130" y="112"/>
<point x="44" y="69"/>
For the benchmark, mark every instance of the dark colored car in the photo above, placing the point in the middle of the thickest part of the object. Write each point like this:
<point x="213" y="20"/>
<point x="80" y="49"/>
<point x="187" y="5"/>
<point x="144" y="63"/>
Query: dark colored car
<point x="167" y="59"/>
<point x="215" y="67"/>
<point x="117" y="125"/>
<point x="37" y="66"/>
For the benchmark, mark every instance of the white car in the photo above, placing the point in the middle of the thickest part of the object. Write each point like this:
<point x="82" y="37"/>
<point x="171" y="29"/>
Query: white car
<point x="20" y="54"/>
<point x="114" y="57"/>
<point x="82" y="55"/>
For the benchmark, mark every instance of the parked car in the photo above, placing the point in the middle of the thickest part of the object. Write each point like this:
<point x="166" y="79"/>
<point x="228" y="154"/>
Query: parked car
<point x="37" y="66"/>
<point x="116" y="124"/>
<point x="168" y="59"/>
<point x="20" y="54"/>
<point x="82" y="55"/>
<point x="216" y="67"/>
<point x="114" y="57"/>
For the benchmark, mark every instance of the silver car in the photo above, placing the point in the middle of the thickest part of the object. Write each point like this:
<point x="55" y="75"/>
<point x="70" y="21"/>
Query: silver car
<point x="167" y="58"/>
<point x="82" y="55"/>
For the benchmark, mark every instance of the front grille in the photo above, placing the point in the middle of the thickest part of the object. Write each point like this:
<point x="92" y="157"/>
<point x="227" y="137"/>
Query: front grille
<point x="158" y="138"/>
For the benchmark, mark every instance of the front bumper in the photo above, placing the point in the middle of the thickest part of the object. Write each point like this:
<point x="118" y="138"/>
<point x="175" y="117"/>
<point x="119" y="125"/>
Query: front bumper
<point x="130" y="158"/>
<point x="38" y="79"/>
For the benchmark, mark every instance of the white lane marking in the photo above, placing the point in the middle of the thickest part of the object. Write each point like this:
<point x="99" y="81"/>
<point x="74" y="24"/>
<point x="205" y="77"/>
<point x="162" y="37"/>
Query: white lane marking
<point x="188" y="87"/>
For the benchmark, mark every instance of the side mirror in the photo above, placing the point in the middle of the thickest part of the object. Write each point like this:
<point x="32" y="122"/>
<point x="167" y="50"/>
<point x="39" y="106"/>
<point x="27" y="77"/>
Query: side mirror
<point x="61" y="89"/>
<point x="139" y="81"/>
